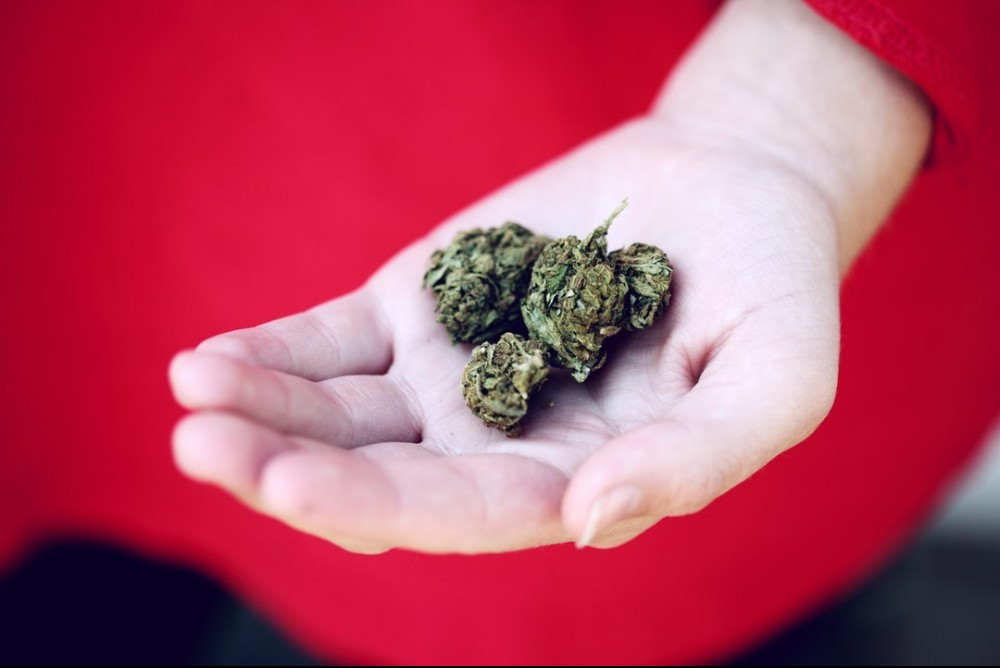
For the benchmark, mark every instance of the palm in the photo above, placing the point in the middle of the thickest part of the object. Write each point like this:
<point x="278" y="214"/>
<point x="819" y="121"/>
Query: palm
<point x="349" y="421"/>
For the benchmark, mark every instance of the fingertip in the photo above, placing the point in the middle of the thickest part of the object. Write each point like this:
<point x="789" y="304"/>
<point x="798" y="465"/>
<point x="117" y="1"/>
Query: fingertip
<point x="608" y="508"/>
<point x="188" y="443"/>
<point x="225" y="450"/>
<point x="204" y="381"/>
<point x="286" y="487"/>
<point x="176" y="372"/>
<point x="604" y="471"/>
<point x="189" y="378"/>
<point x="233" y="345"/>
<point x="662" y="469"/>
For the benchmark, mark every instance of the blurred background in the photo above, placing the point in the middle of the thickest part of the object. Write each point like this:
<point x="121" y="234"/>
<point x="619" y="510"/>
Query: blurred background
<point x="171" y="170"/>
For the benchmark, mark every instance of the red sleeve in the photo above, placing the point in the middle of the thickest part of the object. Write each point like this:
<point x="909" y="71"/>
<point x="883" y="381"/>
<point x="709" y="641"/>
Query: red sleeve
<point x="939" y="46"/>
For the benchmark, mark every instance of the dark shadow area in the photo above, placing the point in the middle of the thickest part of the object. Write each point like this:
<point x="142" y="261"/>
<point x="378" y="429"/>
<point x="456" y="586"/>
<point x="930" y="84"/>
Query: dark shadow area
<point x="937" y="604"/>
<point x="88" y="604"/>
<point x="80" y="603"/>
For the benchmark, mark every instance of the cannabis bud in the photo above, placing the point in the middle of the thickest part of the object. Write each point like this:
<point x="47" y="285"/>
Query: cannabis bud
<point x="501" y="377"/>
<point x="480" y="279"/>
<point x="647" y="272"/>
<point x="576" y="299"/>
<point x="571" y="294"/>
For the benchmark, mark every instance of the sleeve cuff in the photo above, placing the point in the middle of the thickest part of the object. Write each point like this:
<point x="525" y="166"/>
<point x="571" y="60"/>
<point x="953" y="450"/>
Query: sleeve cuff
<point x="917" y="45"/>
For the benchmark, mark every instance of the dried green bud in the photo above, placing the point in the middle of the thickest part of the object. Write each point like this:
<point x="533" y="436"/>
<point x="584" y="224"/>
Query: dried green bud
<point x="501" y="377"/>
<point x="576" y="300"/>
<point x="480" y="280"/>
<point x="647" y="271"/>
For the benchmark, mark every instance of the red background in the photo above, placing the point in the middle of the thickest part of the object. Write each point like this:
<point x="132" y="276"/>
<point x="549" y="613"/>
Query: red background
<point x="173" y="170"/>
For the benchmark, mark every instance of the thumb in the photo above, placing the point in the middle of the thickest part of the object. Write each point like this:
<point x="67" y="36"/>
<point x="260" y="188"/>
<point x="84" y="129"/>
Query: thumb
<point x="743" y="411"/>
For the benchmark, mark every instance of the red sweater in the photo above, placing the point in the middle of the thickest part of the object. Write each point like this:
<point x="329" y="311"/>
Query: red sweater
<point x="169" y="171"/>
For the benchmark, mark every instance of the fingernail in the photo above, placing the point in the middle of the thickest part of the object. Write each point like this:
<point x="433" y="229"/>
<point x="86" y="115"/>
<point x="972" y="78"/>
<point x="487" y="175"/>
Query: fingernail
<point x="609" y="509"/>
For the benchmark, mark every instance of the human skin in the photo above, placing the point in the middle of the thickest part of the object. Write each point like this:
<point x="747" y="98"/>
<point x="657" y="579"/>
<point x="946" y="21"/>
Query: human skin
<point x="774" y="152"/>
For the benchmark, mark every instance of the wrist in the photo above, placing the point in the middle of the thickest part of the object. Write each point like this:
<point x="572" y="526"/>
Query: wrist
<point x="772" y="79"/>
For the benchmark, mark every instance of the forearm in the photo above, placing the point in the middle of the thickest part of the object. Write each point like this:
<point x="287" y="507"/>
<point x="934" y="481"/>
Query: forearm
<point x="772" y="77"/>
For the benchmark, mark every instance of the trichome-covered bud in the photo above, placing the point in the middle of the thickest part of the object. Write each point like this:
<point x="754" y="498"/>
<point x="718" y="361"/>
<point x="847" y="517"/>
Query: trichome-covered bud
<point x="576" y="299"/>
<point x="500" y="379"/>
<point x="480" y="279"/>
<point x="647" y="272"/>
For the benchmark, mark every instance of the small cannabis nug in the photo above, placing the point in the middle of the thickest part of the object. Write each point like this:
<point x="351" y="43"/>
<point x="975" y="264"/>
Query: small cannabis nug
<point x="479" y="281"/>
<point x="647" y="272"/>
<point x="501" y="377"/>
